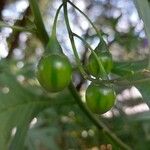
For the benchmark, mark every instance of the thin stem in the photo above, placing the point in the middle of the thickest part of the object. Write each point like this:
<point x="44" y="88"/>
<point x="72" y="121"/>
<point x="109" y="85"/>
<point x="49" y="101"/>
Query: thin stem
<point x="55" y="20"/>
<point x="41" y="29"/>
<point x="98" y="81"/>
<point x="98" y="33"/>
<point x="126" y="83"/>
<point x="119" y="82"/>
<point x="53" y="45"/>
<point x="17" y="28"/>
<point x="96" y="30"/>
<point x="72" y="40"/>
<point x="72" y="89"/>
<point x="42" y="34"/>
<point x="99" y="61"/>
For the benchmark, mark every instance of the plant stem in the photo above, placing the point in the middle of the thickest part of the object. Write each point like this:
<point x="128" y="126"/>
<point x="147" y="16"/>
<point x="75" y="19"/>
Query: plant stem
<point x="41" y="29"/>
<point x="55" y="20"/>
<point x="98" y="59"/>
<point x="17" y="28"/>
<point x="74" y="92"/>
<point x="42" y="34"/>
<point x="98" y="33"/>
<point x="72" y="40"/>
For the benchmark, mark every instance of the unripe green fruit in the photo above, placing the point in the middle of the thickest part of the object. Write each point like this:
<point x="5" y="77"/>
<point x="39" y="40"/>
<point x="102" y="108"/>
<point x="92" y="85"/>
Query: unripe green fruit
<point x="54" y="72"/>
<point x="93" y="66"/>
<point x="100" y="99"/>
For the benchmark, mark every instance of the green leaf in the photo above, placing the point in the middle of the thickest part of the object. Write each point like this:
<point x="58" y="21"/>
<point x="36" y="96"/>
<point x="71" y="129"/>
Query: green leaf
<point x="141" y="81"/>
<point x="45" y="136"/>
<point x="18" y="107"/>
<point x="140" y="78"/>
<point x="129" y="67"/>
<point x="143" y="8"/>
<point x="145" y="116"/>
<point x="144" y="88"/>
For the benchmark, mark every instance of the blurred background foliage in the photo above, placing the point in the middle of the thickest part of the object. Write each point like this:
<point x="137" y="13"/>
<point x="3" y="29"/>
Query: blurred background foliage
<point x="54" y="121"/>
